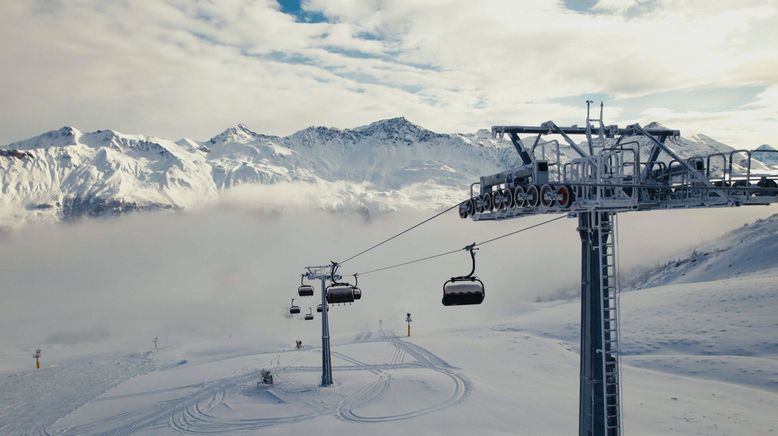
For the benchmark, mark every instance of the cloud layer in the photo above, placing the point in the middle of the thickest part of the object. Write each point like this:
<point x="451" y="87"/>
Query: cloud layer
<point x="174" y="68"/>
<point x="231" y="271"/>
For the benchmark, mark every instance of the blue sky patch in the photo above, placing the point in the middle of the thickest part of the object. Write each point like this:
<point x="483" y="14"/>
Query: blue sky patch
<point x="295" y="8"/>
<point x="579" y="5"/>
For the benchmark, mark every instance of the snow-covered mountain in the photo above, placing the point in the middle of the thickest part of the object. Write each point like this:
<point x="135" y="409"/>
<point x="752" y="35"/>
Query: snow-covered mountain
<point x="66" y="174"/>
<point x="767" y="154"/>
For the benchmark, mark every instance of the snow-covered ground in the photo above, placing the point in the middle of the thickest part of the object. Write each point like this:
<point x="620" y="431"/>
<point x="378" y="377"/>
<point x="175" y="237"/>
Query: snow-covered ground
<point x="700" y="334"/>
<point x="700" y="358"/>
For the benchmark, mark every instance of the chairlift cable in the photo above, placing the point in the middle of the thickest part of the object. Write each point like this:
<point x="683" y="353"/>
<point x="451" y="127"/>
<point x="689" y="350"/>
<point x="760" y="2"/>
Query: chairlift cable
<point x="399" y="234"/>
<point x="523" y="229"/>
<point x="410" y="262"/>
<point x="520" y="230"/>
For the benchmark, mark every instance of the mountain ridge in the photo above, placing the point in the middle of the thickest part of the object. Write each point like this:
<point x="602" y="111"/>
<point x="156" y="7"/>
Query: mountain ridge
<point x="65" y="173"/>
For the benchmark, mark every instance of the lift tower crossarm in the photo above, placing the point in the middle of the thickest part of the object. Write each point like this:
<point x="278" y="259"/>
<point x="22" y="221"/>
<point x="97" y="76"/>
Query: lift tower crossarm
<point x="610" y="131"/>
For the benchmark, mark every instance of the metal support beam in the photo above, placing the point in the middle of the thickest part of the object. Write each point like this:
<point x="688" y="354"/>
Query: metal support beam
<point x="326" y="356"/>
<point x="553" y="128"/>
<point x="599" y="412"/>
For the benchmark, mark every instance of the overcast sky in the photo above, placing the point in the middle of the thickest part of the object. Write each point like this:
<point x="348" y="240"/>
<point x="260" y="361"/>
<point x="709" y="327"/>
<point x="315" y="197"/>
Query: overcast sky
<point x="177" y="68"/>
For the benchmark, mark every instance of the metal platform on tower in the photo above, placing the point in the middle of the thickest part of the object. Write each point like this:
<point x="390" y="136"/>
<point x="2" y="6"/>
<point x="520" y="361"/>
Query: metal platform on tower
<point x="613" y="170"/>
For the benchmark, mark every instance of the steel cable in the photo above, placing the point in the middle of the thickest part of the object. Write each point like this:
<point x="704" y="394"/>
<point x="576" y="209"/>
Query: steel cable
<point x="523" y="229"/>
<point x="399" y="234"/>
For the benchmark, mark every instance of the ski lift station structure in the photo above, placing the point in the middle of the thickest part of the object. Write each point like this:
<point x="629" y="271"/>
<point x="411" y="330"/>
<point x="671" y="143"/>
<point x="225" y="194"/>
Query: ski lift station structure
<point x="617" y="170"/>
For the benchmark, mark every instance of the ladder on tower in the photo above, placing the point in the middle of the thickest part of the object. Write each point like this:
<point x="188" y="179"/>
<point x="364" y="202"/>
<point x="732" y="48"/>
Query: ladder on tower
<point x="609" y="309"/>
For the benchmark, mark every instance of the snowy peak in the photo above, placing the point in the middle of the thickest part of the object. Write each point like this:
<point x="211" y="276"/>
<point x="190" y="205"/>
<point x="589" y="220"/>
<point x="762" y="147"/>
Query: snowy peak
<point x="53" y="138"/>
<point x="767" y="154"/>
<point x="396" y="130"/>
<point x="240" y="134"/>
<point x="654" y="125"/>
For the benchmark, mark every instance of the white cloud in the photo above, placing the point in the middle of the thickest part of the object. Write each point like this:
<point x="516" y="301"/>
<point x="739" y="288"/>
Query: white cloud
<point x="183" y="68"/>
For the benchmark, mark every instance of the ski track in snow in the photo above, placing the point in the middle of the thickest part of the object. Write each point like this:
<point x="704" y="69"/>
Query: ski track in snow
<point x="194" y="413"/>
<point x="462" y="386"/>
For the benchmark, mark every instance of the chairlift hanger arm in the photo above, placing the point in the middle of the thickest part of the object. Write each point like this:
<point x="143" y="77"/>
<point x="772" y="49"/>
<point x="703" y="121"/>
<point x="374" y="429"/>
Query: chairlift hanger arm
<point x="471" y="248"/>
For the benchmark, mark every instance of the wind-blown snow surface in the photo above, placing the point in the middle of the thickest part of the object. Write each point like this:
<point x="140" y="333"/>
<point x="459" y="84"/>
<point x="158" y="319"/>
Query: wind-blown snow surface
<point x="700" y="355"/>
<point x="389" y="164"/>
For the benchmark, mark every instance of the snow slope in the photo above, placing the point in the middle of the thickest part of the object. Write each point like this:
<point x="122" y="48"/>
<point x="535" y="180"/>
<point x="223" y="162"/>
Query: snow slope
<point x="700" y="357"/>
<point x="66" y="174"/>
<point x="749" y="249"/>
<point x="705" y="374"/>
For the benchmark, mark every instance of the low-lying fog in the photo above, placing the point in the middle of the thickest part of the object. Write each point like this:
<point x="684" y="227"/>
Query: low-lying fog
<point x="230" y="271"/>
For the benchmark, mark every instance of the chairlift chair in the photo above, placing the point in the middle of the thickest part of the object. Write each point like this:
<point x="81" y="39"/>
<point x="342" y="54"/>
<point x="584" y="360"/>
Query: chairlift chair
<point x="309" y="315"/>
<point x="464" y="290"/>
<point x="304" y="290"/>
<point x="294" y="309"/>
<point x="340" y="293"/>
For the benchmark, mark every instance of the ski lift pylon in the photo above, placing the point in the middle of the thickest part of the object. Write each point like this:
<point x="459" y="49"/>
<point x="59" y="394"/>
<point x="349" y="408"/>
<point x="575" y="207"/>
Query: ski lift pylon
<point x="464" y="290"/>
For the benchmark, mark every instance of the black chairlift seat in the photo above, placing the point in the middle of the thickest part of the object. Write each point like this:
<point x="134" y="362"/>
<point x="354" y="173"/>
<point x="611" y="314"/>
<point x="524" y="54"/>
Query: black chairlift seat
<point x="340" y="293"/>
<point x="464" y="290"/>
<point x="461" y="291"/>
<point x="305" y="291"/>
<point x="308" y="316"/>
<point x="318" y="308"/>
